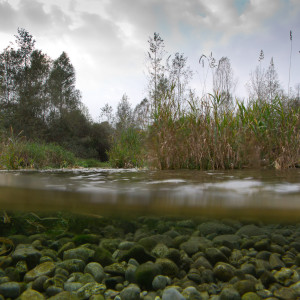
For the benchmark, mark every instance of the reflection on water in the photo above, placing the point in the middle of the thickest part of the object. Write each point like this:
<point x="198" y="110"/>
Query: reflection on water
<point x="266" y="193"/>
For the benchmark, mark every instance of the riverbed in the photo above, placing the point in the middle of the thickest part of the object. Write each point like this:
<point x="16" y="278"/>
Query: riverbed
<point x="141" y="234"/>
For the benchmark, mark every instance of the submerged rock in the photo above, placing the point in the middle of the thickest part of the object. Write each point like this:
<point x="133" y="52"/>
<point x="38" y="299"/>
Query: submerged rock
<point x="102" y="256"/>
<point x="172" y="294"/>
<point x="145" y="273"/>
<point x="223" y="271"/>
<point x="32" y="295"/>
<point x="251" y="230"/>
<point x="138" y="253"/>
<point x="89" y="289"/>
<point x="160" y="282"/>
<point x="10" y="289"/>
<point x="96" y="270"/>
<point x="44" y="269"/>
<point x="82" y="253"/>
<point x="72" y="265"/>
<point x="27" y="253"/>
<point x="215" y="227"/>
<point x="230" y="294"/>
<point x="132" y="292"/>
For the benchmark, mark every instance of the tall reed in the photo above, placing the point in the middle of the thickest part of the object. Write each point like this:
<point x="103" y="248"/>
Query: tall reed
<point x="206" y="137"/>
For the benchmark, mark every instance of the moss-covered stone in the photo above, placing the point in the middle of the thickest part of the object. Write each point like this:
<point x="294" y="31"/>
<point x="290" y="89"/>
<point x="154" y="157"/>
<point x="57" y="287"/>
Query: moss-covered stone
<point x="145" y="273"/>
<point x="137" y="252"/>
<point x="167" y="267"/>
<point x="86" y="239"/>
<point x="46" y="268"/>
<point x="102" y="256"/>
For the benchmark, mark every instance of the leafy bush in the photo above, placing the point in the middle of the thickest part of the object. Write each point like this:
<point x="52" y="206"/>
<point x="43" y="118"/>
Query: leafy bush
<point x="127" y="149"/>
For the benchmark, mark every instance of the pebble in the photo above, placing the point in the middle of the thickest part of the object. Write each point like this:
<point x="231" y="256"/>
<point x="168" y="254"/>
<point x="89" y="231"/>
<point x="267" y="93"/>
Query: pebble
<point x="96" y="270"/>
<point x="10" y="289"/>
<point x="32" y="295"/>
<point x="132" y="292"/>
<point x="44" y="269"/>
<point x="160" y="282"/>
<point x="172" y="294"/>
<point x="159" y="259"/>
<point x="90" y="289"/>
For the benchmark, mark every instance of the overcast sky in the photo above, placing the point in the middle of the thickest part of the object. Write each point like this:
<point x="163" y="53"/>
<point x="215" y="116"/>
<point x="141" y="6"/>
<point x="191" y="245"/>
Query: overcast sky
<point x="106" y="40"/>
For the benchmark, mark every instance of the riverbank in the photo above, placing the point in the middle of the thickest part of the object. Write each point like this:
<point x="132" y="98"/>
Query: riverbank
<point x="203" y="135"/>
<point x="18" y="153"/>
<point x="64" y="256"/>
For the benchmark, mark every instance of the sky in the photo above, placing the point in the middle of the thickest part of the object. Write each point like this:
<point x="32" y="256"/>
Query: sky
<point x="107" y="40"/>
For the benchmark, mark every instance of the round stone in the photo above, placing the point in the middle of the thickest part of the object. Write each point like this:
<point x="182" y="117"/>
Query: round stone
<point x="96" y="270"/>
<point x="90" y="289"/>
<point x="230" y="294"/>
<point x="31" y="295"/>
<point x="46" y="268"/>
<point x="223" y="271"/>
<point x="172" y="294"/>
<point x="160" y="282"/>
<point x="10" y="289"/>
<point x="132" y="292"/>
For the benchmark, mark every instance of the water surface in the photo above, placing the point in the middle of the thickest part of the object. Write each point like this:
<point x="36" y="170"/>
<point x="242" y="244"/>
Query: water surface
<point x="266" y="194"/>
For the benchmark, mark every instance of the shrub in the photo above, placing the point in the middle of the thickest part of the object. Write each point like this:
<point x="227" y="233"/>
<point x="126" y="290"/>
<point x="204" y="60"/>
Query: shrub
<point x="127" y="149"/>
<point x="16" y="153"/>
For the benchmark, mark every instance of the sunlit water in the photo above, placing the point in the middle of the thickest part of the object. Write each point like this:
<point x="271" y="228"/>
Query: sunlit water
<point x="266" y="194"/>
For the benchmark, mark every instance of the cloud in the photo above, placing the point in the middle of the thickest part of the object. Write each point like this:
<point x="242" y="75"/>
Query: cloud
<point x="107" y="40"/>
<point x="8" y="17"/>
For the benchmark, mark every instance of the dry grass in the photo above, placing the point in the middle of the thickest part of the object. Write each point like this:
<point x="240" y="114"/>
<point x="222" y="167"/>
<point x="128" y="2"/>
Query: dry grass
<point x="205" y="137"/>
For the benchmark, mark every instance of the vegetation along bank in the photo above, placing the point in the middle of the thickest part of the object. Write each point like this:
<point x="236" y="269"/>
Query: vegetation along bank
<point x="44" y="123"/>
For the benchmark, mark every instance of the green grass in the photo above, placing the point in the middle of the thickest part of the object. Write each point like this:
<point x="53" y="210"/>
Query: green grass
<point x="92" y="163"/>
<point x="127" y="150"/>
<point x="16" y="153"/>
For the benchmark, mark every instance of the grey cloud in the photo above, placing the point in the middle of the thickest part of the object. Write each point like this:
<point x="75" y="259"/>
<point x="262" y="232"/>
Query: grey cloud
<point x="33" y="12"/>
<point x="8" y="17"/>
<point x="103" y="41"/>
<point x="96" y="32"/>
<point x="34" y="16"/>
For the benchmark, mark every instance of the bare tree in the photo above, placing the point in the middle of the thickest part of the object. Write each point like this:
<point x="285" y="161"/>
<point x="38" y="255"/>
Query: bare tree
<point x="224" y="82"/>
<point x="156" y="67"/>
<point x="180" y="74"/>
<point x="272" y="84"/>
<point x="106" y="114"/>
<point x="124" y="115"/>
<point x="264" y="84"/>
<point x="256" y="85"/>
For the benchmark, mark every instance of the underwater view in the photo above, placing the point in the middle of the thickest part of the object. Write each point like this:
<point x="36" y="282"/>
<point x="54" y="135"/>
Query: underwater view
<point x="141" y="234"/>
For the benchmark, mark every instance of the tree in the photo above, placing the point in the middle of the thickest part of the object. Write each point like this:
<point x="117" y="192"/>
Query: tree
<point x="23" y="76"/>
<point x="26" y="45"/>
<point x="224" y="83"/>
<point x="180" y="74"/>
<point x="272" y="84"/>
<point x="256" y="85"/>
<point x="156" y="68"/>
<point x="106" y="114"/>
<point x="101" y="139"/>
<point x="124" y="115"/>
<point x="264" y="84"/>
<point x="141" y="114"/>
<point x="8" y="98"/>
<point x="63" y="93"/>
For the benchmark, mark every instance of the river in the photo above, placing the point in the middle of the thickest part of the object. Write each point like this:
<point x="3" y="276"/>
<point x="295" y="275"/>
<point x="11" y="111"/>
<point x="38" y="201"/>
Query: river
<point x="269" y="194"/>
<point x="114" y="234"/>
